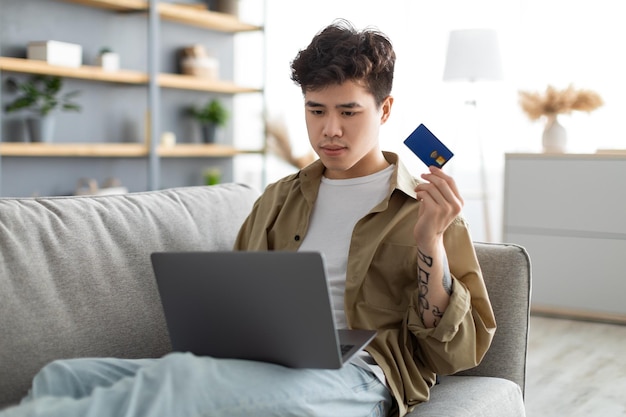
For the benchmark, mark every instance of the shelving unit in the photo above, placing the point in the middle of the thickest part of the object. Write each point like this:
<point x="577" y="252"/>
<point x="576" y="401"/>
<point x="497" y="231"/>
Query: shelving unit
<point x="182" y="14"/>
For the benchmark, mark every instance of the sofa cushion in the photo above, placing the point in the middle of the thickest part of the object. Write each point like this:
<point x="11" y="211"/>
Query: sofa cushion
<point x="76" y="278"/>
<point x="461" y="396"/>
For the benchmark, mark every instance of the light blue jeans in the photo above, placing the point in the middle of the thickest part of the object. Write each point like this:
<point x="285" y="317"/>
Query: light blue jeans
<point x="183" y="385"/>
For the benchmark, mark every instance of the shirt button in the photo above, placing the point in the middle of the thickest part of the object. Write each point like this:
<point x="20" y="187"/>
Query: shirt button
<point x="296" y="238"/>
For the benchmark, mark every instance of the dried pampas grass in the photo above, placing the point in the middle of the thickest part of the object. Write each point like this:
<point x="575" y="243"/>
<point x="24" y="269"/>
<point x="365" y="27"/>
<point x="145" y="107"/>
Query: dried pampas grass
<point x="555" y="101"/>
<point x="280" y="144"/>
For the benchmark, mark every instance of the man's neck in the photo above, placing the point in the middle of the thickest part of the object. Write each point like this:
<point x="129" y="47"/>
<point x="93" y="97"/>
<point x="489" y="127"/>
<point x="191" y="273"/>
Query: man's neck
<point x="370" y="164"/>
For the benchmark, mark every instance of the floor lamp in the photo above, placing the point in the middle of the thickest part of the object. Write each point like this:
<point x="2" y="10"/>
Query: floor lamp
<point x="474" y="55"/>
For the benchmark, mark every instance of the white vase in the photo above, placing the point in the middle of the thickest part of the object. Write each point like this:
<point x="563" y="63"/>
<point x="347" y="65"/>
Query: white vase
<point x="554" y="137"/>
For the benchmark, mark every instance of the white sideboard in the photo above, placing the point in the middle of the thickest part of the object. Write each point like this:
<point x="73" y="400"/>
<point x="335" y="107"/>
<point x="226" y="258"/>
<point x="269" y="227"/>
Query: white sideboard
<point x="569" y="212"/>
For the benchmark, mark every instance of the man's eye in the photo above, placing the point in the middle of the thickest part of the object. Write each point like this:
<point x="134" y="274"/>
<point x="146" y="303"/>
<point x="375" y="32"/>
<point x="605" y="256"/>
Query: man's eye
<point x="349" y="113"/>
<point x="316" y="112"/>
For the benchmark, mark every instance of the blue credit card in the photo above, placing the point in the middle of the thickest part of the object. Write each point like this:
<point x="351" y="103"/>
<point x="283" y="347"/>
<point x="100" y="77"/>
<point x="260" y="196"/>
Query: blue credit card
<point x="427" y="147"/>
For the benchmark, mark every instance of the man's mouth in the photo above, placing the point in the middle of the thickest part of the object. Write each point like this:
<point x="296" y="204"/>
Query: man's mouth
<point x="332" y="150"/>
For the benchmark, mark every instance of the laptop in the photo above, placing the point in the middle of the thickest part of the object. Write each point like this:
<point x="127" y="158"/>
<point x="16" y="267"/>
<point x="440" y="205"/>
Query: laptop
<point x="270" y="306"/>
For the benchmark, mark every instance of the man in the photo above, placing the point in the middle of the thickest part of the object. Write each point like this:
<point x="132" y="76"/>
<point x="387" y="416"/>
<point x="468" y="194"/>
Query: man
<point x="390" y="242"/>
<point x="400" y="261"/>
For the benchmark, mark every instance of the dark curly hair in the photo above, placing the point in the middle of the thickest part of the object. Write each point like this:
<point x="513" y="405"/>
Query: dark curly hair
<point x="340" y="53"/>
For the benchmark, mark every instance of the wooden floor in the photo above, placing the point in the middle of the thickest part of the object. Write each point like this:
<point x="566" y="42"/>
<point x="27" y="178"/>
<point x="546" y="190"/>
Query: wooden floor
<point x="575" y="368"/>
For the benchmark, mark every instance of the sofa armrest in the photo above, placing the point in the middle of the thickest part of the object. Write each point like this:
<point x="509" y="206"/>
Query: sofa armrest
<point x="507" y="273"/>
<point x="496" y="386"/>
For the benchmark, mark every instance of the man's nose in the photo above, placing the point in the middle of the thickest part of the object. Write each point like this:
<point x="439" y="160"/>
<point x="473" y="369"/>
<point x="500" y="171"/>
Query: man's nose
<point x="332" y="126"/>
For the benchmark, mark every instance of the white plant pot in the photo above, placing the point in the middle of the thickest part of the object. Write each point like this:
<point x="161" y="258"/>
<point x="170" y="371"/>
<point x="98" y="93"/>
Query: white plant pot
<point x="109" y="61"/>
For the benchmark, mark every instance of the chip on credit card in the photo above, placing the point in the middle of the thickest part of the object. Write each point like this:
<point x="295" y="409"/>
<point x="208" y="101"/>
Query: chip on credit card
<point x="427" y="147"/>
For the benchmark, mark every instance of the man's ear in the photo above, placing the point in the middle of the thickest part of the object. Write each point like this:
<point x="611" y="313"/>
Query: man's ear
<point x="386" y="109"/>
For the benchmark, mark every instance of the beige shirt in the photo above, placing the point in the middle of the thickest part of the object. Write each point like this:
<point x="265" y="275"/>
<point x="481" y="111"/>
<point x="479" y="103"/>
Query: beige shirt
<point x="381" y="281"/>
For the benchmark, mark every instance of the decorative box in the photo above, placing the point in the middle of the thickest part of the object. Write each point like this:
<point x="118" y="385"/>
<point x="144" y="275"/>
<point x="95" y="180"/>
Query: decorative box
<point x="56" y="53"/>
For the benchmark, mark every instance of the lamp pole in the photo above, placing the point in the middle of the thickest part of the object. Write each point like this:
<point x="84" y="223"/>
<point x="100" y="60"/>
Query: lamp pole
<point x="472" y="55"/>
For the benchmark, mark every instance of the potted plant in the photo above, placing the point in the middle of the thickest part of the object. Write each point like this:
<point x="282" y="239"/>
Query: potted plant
<point x="210" y="116"/>
<point x="552" y="103"/>
<point x="41" y="95"/>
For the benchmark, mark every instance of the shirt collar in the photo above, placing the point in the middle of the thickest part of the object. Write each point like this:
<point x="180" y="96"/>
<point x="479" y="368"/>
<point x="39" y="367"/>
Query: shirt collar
<point x="401" y="180"/>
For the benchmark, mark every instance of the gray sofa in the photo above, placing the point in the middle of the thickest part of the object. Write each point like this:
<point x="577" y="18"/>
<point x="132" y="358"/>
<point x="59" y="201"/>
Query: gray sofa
<point x="75" y="281"/>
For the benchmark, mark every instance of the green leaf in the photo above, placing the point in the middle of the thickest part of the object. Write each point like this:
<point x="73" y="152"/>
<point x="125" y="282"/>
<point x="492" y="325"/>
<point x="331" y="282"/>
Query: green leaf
<point x="212" y="112"/>
<point x="40" y="94"/>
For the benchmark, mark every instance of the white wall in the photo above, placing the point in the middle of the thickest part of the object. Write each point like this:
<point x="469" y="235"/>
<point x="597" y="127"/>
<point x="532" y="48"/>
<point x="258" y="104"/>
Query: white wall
<point x="543" y="42"/>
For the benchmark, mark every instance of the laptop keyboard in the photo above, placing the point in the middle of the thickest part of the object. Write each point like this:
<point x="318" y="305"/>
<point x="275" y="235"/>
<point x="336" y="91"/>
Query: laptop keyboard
<point x="345" y="348"/>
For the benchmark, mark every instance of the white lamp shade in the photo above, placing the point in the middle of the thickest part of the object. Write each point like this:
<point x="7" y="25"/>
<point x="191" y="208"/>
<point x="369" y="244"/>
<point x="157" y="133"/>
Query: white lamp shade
<point x="473" y="54"/>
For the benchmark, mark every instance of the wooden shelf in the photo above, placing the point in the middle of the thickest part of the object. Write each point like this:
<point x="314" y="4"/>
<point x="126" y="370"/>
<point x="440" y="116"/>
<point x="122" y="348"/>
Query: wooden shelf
<point x="189" y="82"/>
<point x="115" y="150"/>
<point x="180" y="13"/>
<point x="206" y="19"/>
<point x="73" y="149"/>
<point x="116" y="5"/>
<point x="31" y="66"/>
<point x="85" y="72"/>
<point x="197" y="150"/>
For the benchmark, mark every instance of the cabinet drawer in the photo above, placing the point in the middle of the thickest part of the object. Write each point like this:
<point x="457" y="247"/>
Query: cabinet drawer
<point x="574" y="194"/>
<point x="577" y="273"/>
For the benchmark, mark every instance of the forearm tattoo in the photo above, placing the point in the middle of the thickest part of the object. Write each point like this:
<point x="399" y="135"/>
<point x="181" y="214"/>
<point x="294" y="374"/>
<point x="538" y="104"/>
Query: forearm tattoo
<point x="428" y="260"/>
<point x="422" y="289"/>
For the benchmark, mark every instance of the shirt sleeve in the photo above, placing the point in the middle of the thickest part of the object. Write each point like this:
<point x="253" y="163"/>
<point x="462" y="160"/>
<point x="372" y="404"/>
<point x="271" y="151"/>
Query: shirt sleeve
<point x="464" y="334"/>
<point x="242" y="242"/>
<point x="253" y="232"/>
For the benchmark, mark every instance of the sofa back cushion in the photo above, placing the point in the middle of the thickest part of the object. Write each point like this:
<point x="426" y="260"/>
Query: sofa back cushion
<point x="76" y="278"/>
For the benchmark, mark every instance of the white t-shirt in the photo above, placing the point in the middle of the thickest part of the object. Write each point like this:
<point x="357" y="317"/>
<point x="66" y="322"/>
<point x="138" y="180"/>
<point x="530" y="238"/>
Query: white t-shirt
<point x="339" y="206"/>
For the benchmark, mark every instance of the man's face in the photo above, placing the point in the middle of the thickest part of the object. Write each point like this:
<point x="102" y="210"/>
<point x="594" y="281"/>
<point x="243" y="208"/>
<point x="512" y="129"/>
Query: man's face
<point x="343" y="122"/>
